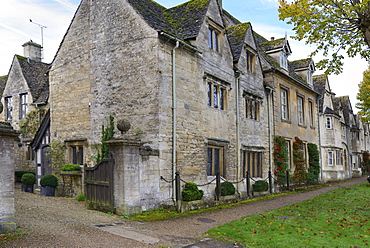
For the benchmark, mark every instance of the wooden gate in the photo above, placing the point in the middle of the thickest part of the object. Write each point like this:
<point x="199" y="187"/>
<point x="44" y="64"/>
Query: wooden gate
<point x="99" y="187"/>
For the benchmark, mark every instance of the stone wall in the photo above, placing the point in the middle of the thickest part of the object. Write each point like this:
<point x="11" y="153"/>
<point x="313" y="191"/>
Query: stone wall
<point x="7" y="136"/>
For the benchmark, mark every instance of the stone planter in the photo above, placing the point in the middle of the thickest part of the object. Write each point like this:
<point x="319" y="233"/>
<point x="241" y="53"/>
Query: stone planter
<point x="75" y="172"/>
<point x="27" y="188"/>
<point x="47" y="191"/>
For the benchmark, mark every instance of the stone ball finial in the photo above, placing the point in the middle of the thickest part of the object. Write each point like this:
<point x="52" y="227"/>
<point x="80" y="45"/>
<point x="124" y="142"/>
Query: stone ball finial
<point x="123" y="125"/>
<point x="1" y="107"/>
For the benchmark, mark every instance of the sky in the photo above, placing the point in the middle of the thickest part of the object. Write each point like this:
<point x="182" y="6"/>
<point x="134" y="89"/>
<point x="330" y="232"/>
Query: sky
<point x="56" y="16"/>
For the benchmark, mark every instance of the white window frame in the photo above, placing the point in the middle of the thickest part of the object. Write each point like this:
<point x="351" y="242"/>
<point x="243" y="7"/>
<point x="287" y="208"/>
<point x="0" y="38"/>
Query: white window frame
<point x="300" y="102"/>
<point x="330" y="158"/>
<point x="8" y="108"/>
<point x="23" y="105"/>
<point x="328" y="122"/>
<point x="284" y="104"/>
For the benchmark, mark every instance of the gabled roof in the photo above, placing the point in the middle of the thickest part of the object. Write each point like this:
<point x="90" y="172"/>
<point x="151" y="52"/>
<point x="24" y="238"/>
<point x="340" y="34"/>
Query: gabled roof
<point x="273" y="44"/>
<point x="36" y="76"/>
<point x="319" y="82"/>
<point x="182" y="21"/>
<point x="3" y="80"/>
<point x="236" y="35"/>
<point x="301" y="64"/>
<point x="347" y="109"/>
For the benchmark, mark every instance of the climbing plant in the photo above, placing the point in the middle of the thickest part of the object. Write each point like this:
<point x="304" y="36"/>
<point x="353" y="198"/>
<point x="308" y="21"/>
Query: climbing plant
<point x="31" y="123"/>
<point x="280" y="159"/>
<point x="57" y="155"/>
<point x="366" y="161"/>
<point x="314" y="163"/>
<point x="107" y="134"/>
<point x="300" y="172"/>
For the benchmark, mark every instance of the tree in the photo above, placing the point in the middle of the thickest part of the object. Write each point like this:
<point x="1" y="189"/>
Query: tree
<point x="363" y="96"/>
<point x="333" y="25"/>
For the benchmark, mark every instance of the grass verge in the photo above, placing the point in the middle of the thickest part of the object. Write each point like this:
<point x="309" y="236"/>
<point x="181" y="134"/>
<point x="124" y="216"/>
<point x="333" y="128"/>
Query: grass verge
<point x="339" y="218"/>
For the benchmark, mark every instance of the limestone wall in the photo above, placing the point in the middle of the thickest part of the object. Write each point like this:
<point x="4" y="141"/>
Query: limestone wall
<point x="7" y="136"/>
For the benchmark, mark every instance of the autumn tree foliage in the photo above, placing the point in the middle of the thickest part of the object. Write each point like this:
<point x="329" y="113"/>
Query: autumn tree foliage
<point x="363" y="97"/>
<point x="334" y="26"/>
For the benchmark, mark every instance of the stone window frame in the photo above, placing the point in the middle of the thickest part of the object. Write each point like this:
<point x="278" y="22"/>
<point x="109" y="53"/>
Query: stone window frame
<point x="221" y="146"/>
<point x="254" y="167"/>
<point x="311" y="113"/>
<point x="75" y="150"/>
<point x="252" y="106"/>
<point x="328" y="122"/>
<point x="214" y="33"/>
<point x="23" y="105"/>
<point x="284" y="105"/>
<point x="250" y="56"/>
<point x="217" y="92"/>
<point x="330" y="158"/>
<point x="8" y="108"/>
<point x="300" y="109"/>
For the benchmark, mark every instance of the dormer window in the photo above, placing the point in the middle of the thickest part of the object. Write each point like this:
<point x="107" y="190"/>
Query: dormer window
<point x="285" y="52"/>
<point x="311" y="70"/>
<point x="251" y="61"/>
<point x="213" y="37"/>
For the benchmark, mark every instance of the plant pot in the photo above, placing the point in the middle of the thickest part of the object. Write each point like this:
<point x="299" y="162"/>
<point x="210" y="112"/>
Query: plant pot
<point x="27" y="188"/>
<point x="47" y="191"/>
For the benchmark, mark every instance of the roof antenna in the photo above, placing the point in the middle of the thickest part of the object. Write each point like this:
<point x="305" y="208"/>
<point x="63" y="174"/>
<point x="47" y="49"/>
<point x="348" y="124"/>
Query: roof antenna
<point x="42" y="32"/>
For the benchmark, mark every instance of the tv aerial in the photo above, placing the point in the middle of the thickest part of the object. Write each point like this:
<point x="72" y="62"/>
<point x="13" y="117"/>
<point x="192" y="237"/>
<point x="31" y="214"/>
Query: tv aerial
<point x="42" y="31"/>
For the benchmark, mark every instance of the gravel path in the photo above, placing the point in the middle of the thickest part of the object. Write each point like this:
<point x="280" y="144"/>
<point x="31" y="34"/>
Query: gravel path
<point x="64" y="222"/>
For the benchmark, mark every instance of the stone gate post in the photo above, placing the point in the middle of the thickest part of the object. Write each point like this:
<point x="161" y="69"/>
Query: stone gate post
<point x="7" y="165"/>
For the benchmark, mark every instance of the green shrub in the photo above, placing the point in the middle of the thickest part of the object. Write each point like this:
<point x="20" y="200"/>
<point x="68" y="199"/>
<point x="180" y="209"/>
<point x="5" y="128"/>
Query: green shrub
<point x="71" y="167"/>
<point x="227" y="188"/>
<point x="21" y="173"/>
<point x="28" y="178"/>
<point x="260" y="186"/>
<point x="191" y="192"/>
<point x="49" y="180"/>
<point x="80" y="198"/>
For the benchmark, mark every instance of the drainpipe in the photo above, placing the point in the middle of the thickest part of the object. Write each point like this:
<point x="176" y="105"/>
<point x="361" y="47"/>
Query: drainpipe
<point x="237" y="82"/>
<point x="269" y="119"/>
<point x="174" y="117"/>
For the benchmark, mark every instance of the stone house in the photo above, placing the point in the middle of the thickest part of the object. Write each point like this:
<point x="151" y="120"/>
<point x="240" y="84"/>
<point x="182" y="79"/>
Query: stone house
<point x="189" y="77"/>
<point x="293" y="97"/>
<point x="333" y="133"/>
<point x="25" y="99"/>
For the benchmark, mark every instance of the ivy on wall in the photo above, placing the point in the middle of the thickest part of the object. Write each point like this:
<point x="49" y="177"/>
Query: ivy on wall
<point x="314" y="163"/>
<point x="280" y="159"/>
<point x="31" y="124"/>
<point x="300" y="173"/>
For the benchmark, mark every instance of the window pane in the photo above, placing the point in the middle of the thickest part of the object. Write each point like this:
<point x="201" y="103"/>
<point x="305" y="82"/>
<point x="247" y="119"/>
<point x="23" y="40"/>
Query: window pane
<point x="209" y="89"/>
<point x="215" y="96"/>
<point x="215" y="41"/>
<point x="222" y="98"/>
<point x="209" y="162"/>
<point x="210" y="42"/>
<point x="216" y="154"/>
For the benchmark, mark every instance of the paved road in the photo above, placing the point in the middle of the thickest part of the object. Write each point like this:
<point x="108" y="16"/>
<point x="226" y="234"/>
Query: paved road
<point x="63" y="222"/>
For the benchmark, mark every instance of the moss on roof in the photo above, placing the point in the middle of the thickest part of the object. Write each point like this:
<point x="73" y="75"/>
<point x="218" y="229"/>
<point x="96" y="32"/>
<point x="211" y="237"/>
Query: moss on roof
<point x="236" y="35"/>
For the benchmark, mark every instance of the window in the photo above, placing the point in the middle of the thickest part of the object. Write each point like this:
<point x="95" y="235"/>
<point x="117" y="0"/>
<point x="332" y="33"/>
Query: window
<point x="252" y="163"/>
<point x="330" y="158"/>
<point x="77" y="155"/>
<point x="252" y="108"/>
<point x="215" y="161"/>
<point x="9" y="108"/>
<point x="328" y="122"/>
<point x="250" y="61"/>
<point x="310" y="109"/>
<point x="288" y="155"/>
<point x="339" y="158"/>
<point x="216" y="96"/>
<point x="284" y="104"/>
<point x="30" y="153"/>
<point x="213" y="39"/>
<point x="23" y="102"/>
<point x="300" y="110"/>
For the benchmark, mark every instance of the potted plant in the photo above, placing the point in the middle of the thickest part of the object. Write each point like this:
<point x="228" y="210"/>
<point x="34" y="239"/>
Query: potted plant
<point x="48" y="184"/>
<point x="71" y="169"/>
<point x="28" y="181"/>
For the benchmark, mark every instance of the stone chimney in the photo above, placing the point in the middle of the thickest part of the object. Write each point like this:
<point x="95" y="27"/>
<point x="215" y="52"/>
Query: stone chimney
<point x="32" y="50"/>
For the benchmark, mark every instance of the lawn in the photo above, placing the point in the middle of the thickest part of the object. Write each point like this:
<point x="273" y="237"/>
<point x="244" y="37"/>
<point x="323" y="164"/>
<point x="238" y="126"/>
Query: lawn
<point x="340" y="218"/>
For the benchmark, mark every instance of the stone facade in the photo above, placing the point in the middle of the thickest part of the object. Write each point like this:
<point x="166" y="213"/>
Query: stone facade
<point x="7" y="165"/>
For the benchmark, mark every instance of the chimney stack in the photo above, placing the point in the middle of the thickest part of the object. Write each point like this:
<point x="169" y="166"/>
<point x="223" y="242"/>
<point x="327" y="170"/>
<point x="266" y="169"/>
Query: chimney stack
<point x="32" y="50"/>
